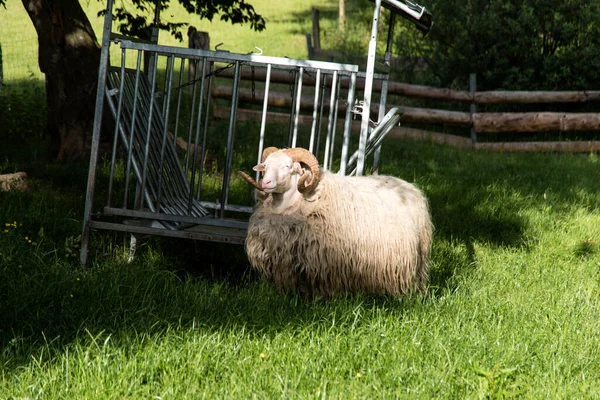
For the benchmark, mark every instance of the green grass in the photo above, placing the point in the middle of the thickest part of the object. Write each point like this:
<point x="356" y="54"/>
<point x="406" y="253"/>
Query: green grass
<point x="511" y="311"/>
<point x="287" y="24"/>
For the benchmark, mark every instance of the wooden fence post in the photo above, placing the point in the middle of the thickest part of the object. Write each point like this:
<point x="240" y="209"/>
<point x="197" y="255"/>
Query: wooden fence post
<point x="472" y="107"/>
<point x="1" y="68"/>
<point x="311" y="52"/>
<point x="316" y="30"/>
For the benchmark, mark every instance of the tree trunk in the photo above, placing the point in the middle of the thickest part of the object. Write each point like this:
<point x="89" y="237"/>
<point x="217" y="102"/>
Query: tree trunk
<point x="69" y="55"/>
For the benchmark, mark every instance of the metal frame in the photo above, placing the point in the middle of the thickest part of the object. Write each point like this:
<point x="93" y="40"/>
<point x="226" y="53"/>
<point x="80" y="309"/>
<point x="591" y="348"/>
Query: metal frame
<point x="159" y="191"/>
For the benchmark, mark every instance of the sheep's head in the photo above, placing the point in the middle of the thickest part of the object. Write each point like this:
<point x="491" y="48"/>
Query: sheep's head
<point x="282" y="168"/>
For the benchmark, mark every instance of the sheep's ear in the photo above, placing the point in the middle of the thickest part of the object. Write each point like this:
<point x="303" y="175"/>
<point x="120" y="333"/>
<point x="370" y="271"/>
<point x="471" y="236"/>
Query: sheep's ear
<point x="297" y="168"/>
<point x="260" y="167"/>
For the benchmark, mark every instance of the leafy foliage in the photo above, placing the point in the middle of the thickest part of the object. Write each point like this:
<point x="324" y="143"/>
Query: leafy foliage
<point x="533" y="44"/>
<point x="512" y="45"/>
<point x="136" y="16"/>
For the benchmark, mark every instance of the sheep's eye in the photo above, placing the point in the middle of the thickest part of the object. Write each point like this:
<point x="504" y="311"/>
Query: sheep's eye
<point x="285" y="167"/>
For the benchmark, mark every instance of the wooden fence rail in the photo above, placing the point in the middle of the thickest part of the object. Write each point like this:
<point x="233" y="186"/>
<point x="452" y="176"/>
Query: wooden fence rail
<point x="480" y="122"/>
<point x="428" y="92"/>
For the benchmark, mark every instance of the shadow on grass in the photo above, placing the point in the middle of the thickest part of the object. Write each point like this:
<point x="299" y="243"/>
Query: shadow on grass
<point x="483" y="198"/>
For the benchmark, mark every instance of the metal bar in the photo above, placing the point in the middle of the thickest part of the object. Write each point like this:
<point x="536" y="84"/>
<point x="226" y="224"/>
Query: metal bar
<point x="334" y="127"/>
<point x="366" y="111"/>
<point x="313" y="128"/>
<point x="263" y="121"/>
<point x="297" y="112"/>
<point x="205" y="134"/>
<point x="132" y="128"/>
<point x="384" y="88"/>
<point x="322" y="89"/>
<point x="165" y="133"/>
<point x="191" y="128"/>
<point x="96" y="129"/>
<point x="115" y="134"/>
<point x="247" y="59"/>
<point x="291" y="124"/>
<point x="228" y="207"/>
<point x="230" y="137"/>
<point x="154" y="39"/>
<point x="347" y="125"/>
<point x="178" y="108"/>
<point x="148" y="135"/>
<point x="119" y="212"/>
<point x="472" y="106"/>
<point x="332" y="97"/>
<point x="197" y="137"/>
<point x="236" y="239"/>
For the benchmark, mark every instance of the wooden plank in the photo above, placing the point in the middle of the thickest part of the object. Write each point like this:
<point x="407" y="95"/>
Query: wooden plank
<point x="571" y="147"/>
<point x="402" y="132"/>
<point x="428" y="92"/>
<point x="411" y="114"/>
<point x="535" y="122"/>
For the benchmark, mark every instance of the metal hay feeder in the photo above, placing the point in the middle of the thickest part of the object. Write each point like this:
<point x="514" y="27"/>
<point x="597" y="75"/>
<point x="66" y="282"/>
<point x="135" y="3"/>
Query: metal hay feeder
<point x="157" y="173"/>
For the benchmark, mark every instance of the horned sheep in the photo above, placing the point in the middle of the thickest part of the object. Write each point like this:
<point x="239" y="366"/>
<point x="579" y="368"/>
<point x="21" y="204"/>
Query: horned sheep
<point x="325" y="234"/>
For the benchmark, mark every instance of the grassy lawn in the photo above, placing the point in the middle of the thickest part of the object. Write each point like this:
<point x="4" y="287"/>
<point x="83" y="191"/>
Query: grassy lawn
<point x="512" y="308"/>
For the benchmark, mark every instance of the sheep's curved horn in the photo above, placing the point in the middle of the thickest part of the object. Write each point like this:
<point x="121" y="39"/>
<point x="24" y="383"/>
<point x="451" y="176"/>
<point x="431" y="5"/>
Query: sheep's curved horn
<point x="267" y="152"/>
<point x="304" y="156"/>
<point x="250" y="180"/>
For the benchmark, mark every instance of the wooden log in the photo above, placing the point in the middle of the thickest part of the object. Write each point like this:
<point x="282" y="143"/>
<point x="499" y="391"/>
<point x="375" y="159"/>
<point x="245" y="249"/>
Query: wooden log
<point x="316" y="29"/>
<point x="522" y="97"/>
<point x="433" y="116"/>
<point x="256" y="115"/>
<point x="571" y="147"/>
<point x="535" y="122"/>
<point x="399" y="132"/>
<point x="411" y="114"/>
<point x="402" y="132"/>
<point x="428" y="92"/>
<point x="14" y="181"/>
<point x="276" y="99"/>
<point x="481" y="122"/>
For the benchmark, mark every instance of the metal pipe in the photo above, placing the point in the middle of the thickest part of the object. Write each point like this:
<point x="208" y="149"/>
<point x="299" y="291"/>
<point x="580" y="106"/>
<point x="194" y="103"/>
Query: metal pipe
<point x="263" y="121"/>
<point x="96" y="129"/>
<point x="366" y="111"/>
<point x="165" y="133"/>
<point x="115" y="134"/>
<point x="322" y="89"/>
<point x="335" y="114"/>
<point x="313" y="128"/>
<point x="132" y="127"/>
<point x="149" y="127"/>
<point x="205" y="134"/>
<point x="192" y="110"/>
<point x="179" y="92"/>
<point x="297" y="113"/>
<point x="230" y="137"/>
<point x="291" y="125"/>
<point x="332" y="99"/>
<point x="197" y="137"/>
<point x="384" y="89"/>
<point x="347" y="125"/>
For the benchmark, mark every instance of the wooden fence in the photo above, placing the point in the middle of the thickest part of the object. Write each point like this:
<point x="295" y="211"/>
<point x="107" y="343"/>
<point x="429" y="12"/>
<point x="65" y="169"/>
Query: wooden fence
<point x="478" y="122"/>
